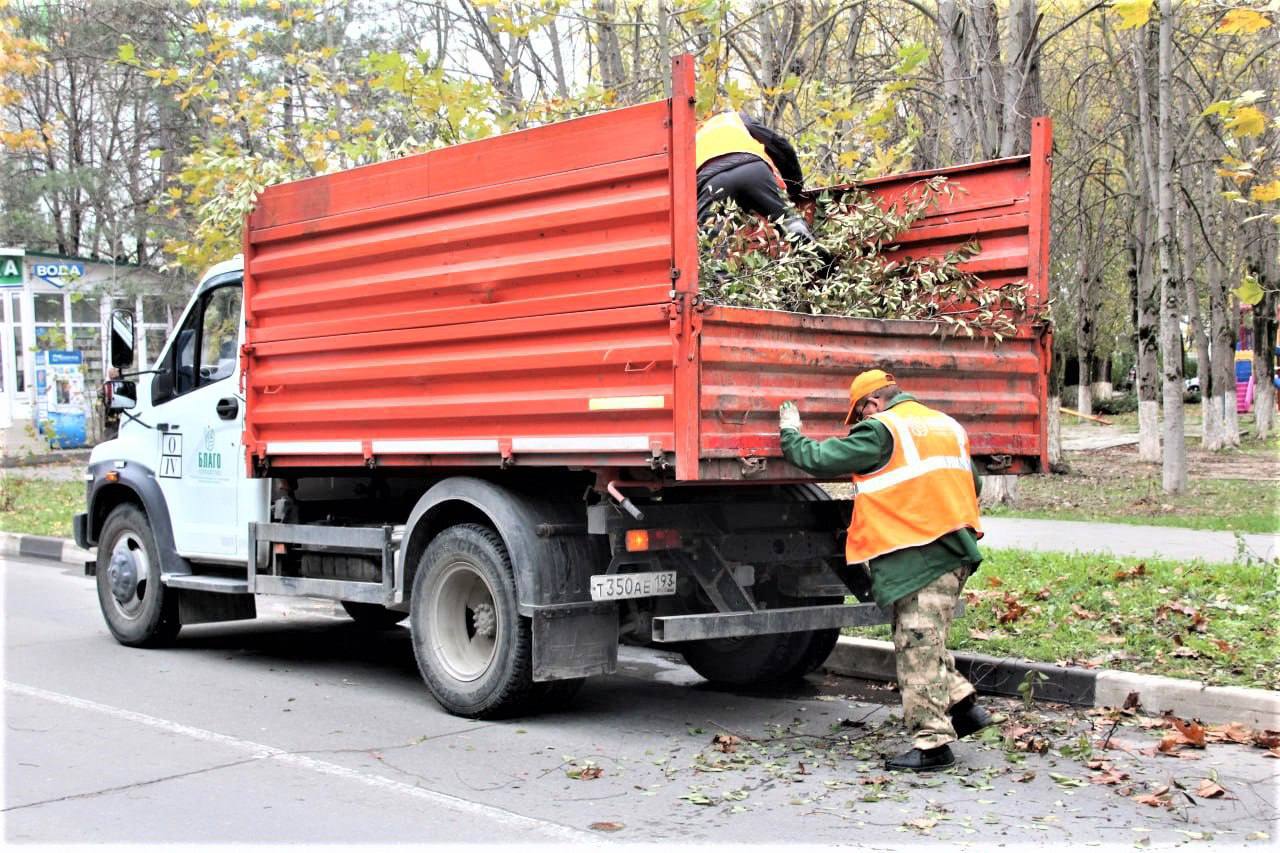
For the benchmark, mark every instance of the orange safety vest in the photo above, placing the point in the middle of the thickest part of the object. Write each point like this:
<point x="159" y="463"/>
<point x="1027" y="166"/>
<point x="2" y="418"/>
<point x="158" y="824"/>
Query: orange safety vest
<point x="923" y="492"/>
<point x="726" y="133"/>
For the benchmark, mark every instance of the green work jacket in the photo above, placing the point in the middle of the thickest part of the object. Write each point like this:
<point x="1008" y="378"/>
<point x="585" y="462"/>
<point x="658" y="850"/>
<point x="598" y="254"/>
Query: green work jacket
<point x="867" y="448"/>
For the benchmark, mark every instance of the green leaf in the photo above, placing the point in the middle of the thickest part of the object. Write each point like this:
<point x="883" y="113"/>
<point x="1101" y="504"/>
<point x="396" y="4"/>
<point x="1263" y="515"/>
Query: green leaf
<point x="1250" y="291"/>
<point x="1133" y="13"/>
<point x="127" y="53"/>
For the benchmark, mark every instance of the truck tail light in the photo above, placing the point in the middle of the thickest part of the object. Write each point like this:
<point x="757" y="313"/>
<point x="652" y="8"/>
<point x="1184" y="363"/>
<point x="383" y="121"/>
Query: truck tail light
<point x="653" y="540"/>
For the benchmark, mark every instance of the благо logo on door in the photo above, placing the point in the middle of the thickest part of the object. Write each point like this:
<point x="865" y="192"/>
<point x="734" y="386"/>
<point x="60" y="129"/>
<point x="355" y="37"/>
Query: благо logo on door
<point x="207" y="458"/>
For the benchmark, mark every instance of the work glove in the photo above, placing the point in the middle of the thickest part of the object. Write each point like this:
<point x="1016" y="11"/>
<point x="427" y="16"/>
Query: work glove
<point x="788" y="416"/>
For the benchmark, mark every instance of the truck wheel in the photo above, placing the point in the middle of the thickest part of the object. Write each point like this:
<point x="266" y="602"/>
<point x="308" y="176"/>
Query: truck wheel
<point x="138" y="609"/>
<point x="375" y="617"/>
<point x="748" y="661"/>
<point x="473" y="648"/>
<point x="820" y="645"/>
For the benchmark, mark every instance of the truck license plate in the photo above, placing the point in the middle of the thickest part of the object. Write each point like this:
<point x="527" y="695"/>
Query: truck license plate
<point x="633" y="585"/>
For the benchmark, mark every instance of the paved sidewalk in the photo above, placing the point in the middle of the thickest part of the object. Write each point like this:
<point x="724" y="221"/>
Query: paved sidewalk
<point x="1125" y="540"/>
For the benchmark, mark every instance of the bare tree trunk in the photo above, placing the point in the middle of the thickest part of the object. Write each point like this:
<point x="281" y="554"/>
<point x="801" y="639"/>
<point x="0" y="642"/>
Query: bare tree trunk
<point x="1230" y="415"/>
<point x="1174" y="468"/>
<point x="999" y="489"/>
<point x="1264" y="341"/>
<point x="1021" y="78"/>
<point x="953" y="30"/>
<point x="1148" y="408"/>
<point x="1191" y="307"/>
<point x="1214" y="395"/>
<point x="1056" y="462"/>
<point x="1084" y="326"/>
<point x="987" y="70"/>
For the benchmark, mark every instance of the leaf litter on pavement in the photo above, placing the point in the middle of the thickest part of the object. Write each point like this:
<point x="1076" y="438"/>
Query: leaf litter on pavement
<point x="838" y="769"/>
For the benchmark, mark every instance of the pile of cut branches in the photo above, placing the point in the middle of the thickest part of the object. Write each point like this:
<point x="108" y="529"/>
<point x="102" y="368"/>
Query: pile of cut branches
<point x="746" y="264"/>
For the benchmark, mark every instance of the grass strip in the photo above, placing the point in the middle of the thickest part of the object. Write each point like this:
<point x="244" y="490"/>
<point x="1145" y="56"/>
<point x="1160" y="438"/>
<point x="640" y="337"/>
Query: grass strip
<point x="42" y="507"/>
<point x="1211" y="622"/>
<point x="1246" y="506"/>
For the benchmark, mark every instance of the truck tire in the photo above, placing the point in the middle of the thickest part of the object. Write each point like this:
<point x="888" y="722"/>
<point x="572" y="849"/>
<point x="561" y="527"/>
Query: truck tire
<point x="748" y="661"/>
<point x="138" y="609"/>
<point x="375" y="617"/>
<point x="473" y="647"/>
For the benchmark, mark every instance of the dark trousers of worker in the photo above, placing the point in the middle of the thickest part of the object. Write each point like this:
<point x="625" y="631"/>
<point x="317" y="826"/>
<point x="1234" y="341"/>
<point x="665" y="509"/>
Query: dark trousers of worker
<point x="927" y="676"/>
<point x="752" y="185"/>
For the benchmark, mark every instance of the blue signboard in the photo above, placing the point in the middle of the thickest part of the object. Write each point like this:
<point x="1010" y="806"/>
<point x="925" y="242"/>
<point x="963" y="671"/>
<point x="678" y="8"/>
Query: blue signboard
<point x="60" y="399"/>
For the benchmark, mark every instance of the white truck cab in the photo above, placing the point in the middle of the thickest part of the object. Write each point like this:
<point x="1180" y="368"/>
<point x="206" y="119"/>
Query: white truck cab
<point x="175" y="472"/>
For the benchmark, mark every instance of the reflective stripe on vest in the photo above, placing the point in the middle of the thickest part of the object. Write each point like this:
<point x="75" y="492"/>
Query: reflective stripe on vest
<point x="726" y="133"/>
<point x="923" y="492"/>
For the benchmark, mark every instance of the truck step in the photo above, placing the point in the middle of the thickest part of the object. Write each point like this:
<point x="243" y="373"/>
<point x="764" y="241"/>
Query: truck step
<point x="205" y="583"/>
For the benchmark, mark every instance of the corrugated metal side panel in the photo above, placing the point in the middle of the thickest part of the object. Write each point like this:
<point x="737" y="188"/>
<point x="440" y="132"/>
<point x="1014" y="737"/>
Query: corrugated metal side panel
<point x="586" y="380"/>
<point x="754" y="360"/>
<point x="565" y="217"/>
<point x="506" y="291"/>
<point x="992" y="205"/>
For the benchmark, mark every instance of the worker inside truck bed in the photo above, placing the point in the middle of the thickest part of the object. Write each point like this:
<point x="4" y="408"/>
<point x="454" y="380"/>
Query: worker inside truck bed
<point x="739" y="158"/>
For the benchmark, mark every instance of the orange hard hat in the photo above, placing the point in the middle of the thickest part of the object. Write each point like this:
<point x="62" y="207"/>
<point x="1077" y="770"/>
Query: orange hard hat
<point x="866" y="382"/>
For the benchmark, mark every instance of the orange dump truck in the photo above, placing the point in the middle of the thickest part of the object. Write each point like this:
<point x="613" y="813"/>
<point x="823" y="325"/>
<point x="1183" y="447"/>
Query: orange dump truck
<point x="478" y="388"/>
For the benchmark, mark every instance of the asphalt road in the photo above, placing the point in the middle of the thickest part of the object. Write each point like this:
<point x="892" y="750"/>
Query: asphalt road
<point x="300" y="727"/>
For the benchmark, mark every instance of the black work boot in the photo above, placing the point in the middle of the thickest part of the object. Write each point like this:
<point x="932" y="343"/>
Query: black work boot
<point x="920" y="760"/>
<point x="967" y="716"/>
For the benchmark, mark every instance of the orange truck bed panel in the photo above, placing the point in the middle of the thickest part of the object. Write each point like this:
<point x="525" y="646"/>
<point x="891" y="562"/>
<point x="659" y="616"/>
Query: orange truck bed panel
<point x="531" y="299"/>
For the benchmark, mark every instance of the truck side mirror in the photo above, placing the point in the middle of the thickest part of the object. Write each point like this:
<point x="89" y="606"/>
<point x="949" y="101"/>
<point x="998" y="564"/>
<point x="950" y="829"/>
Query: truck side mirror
<point x="122" y="338"/>
<point x="120" y="394"/>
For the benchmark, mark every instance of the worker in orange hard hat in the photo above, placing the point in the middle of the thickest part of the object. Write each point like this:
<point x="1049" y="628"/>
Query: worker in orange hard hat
<point x="739" y="158"/>
<point x="915" y="521"/>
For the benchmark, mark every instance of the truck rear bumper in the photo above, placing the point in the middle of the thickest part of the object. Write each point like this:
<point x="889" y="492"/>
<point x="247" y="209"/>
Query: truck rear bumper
<point x="707" y="626"/>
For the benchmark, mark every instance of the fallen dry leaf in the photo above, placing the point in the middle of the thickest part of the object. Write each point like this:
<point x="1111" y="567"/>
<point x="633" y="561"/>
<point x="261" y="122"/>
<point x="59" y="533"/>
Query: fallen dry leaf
<point x="1272" y="753"/>
<point x="1131" y="702"/>
<point x="1135" y="572"/>
<point x="1192" y="731"/>
<point x="586" y="773"/>
<point x="606" y="826"/>
<point x="1210" y="789"/>
<point x="994" y="581"/>
<point x="1043" y="594"/>
<point x="1185" y="652"/>
<point x="1151" y="800"/>
<point x="1110" y="639"/>
<point x="1223" y="646"/>
<point x="1081" y="613"/>
<point x="1230" y="733"/>
<point x="1108" y="777"/>
<point x="979" y="635"/>
<point x="726" y="743"/>
<point x="875" y="780"/>
<point x="1266" y="739"/>
<point x="922" y="823"/>
<point x="1013" y="609"/>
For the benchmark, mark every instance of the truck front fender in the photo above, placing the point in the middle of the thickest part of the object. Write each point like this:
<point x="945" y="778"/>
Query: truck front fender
<point x="550" y="569"/>
<point x="137" y="484"/>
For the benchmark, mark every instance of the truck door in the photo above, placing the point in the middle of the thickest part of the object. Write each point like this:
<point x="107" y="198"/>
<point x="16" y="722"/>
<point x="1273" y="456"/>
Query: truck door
<point x="199" y="416"/>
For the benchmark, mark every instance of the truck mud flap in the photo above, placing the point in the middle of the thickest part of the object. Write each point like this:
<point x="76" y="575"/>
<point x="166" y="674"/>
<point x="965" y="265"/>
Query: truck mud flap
<point x="575" y="640"/>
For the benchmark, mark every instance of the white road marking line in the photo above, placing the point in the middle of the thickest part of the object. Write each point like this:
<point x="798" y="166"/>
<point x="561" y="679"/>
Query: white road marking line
<point x="258" y="750"/>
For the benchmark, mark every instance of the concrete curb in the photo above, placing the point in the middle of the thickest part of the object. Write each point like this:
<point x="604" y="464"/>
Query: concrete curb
<point x="1260" y="709"/>
<point x="874" y="660"/>
<point x="43" y="548"/>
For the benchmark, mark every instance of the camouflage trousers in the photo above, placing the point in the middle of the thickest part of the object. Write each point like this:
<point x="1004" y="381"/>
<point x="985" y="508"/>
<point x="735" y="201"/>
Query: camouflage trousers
<point x="927" y="674"/>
